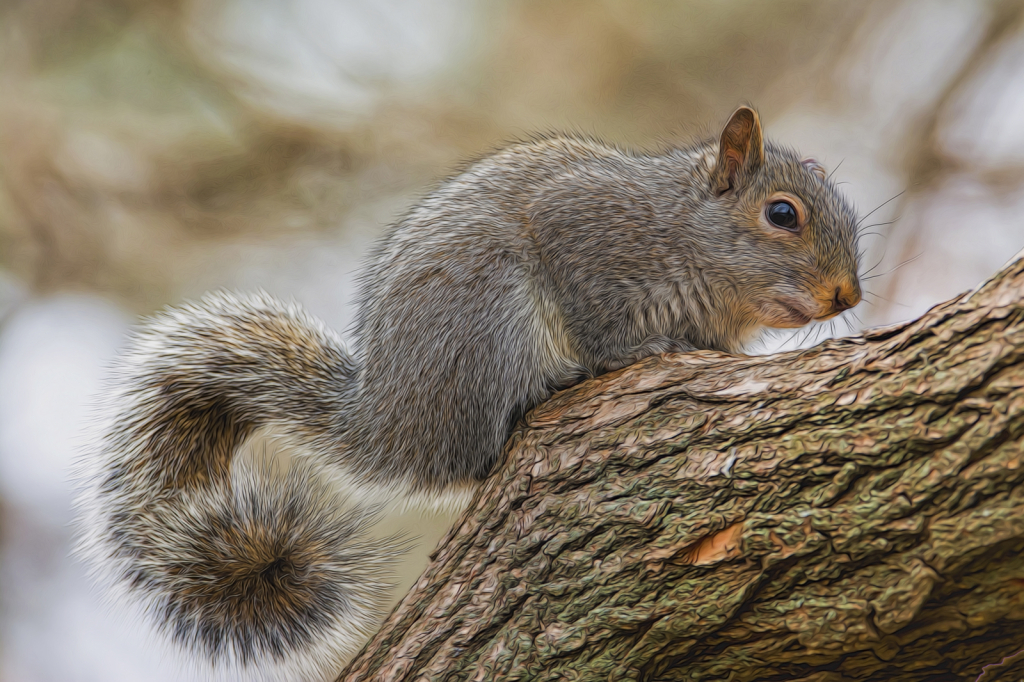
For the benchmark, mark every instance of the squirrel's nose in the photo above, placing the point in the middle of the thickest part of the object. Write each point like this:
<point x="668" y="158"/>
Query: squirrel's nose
<point x="846" y="297"/>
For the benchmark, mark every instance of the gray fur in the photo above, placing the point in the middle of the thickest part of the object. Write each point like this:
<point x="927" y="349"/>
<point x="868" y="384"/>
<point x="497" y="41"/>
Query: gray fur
<point x="548" y="261"/>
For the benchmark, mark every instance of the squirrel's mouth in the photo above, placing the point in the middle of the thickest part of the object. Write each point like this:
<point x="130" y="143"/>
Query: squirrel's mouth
<point x="786" y="313"/>
<point x="827" y="316"/>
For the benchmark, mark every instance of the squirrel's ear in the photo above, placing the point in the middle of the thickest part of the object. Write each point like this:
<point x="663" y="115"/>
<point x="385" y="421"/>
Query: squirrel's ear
<point x="816" y="168"/>
<point x="741" y="149"/>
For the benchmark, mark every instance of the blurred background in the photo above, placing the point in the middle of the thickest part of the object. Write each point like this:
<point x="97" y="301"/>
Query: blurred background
<point x="151" y="150"/>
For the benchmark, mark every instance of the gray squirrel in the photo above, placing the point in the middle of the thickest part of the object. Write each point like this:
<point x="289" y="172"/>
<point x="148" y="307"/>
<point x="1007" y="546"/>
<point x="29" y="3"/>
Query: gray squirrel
<point x="544" y="263"/>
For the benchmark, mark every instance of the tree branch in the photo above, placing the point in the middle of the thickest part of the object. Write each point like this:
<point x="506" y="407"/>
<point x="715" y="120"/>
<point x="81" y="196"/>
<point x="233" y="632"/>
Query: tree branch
<point x="853" y="511"/>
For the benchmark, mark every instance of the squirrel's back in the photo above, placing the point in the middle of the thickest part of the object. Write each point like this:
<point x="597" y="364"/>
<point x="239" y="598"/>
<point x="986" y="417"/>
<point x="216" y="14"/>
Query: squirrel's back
<point x="466" y="299"/>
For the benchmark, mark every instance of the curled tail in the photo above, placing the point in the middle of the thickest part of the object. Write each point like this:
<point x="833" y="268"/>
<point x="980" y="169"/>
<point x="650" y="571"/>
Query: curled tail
<point x="267" y="574"/>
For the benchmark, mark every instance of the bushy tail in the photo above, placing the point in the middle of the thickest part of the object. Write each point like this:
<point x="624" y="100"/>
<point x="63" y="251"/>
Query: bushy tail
<point x="268" y="575"/>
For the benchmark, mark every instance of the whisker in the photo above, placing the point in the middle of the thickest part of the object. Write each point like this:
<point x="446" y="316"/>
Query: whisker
<point x="807" y="335"/>
<point x="836" y="168"/>
<point x="887" y="300"/>
<point x="868" y="272"/>
<point x="823" y="332"/>
<point x="888" y="272"/>
<point x="819" y="332"/>
<point x="890" y="302"/>
<point x="887" y="222"/>
<point x="865" y="217"/>
<point x="849" y="325"/>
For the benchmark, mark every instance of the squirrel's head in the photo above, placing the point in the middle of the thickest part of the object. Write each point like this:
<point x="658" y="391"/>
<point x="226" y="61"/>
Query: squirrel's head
<point x="793" y="236"/>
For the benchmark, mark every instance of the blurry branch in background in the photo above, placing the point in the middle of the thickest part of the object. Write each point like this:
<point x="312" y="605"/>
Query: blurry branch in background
<point x="121" y="157"/>
<point x="138" y="136"/>
<point x="140" y="139"/>
<point x="926" y="157"/>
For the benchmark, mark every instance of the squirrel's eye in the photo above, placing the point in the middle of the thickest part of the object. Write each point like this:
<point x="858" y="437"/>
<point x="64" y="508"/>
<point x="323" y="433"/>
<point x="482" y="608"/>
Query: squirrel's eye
<point x="782" y="214"/>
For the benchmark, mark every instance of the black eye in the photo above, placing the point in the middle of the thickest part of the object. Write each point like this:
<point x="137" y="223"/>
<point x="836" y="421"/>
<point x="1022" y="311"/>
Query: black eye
<point x="782" y="214"/>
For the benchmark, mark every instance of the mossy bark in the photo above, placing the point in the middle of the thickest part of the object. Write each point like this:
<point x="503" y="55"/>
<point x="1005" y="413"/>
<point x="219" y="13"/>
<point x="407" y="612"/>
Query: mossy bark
<point x="850" y="512"/>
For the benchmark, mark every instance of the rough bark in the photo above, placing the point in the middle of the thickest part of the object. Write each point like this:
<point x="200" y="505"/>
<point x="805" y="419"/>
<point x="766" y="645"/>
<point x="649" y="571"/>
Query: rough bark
<point x="850" y="512"/>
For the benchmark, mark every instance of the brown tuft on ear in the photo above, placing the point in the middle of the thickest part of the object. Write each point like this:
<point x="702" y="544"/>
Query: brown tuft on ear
<point x="816" y="168"/>
<point x="741" y="149"/>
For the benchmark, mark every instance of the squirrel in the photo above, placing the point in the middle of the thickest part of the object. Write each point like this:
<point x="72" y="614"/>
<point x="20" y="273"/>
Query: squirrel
<point x="544" y="263"/>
